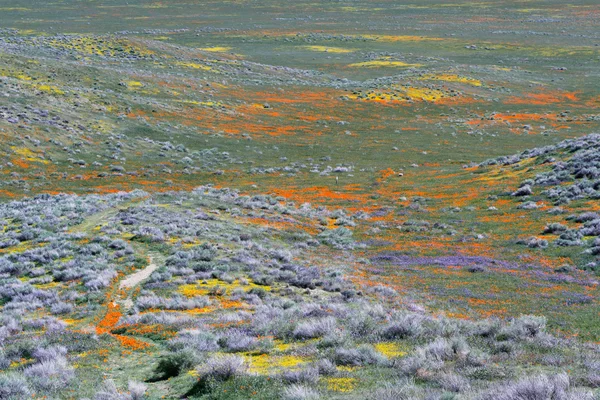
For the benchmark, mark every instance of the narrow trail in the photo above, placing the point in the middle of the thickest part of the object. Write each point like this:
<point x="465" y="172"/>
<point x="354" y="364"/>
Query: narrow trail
<point x="122" y="302"/>
<point x="137" y="277"/>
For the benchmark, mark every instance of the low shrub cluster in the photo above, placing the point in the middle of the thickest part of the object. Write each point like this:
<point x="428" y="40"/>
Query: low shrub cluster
<point x="230" y="302"/>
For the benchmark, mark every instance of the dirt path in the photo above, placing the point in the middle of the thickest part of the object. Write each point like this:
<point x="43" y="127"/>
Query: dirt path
<point x="135" y="278"/>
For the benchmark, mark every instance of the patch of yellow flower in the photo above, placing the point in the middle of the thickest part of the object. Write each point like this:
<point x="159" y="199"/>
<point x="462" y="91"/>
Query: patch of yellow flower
<point x="564" y="52"/>
<point x="356" y="9"/>
<point x="282" y="347"/>
<point x="424" y="93"/>
<point x="530" y="10"/>
<point x="134" y="84"/>
<point x="46" y="285"/>
<point x="450" y="78"/>
<point x="328" y="49"/>
<point x="23" y="151"/>
<point x="401" y="38"/>
<point x="18" y="363"/>
<point x="49" y="89"/>
<point x="341" y="384"/>
<point x="264" y="364"/>
<point x="98" y="46"/>
<point x="401" y="93"/>
<point x="384" y="63"/>
<point x="21" y="247"/>
<point x="190" y="245"/>
<point x="389" y="349"/>
<point x="85" y="45"/>
<point x="193" y="65"/>
<point x="203" y="103"/>
<point x="30" y="32"/>
<point x="203" y="288"/>
<point x="498" y="173"/>
<point x="15" y="74"/>
<point x="384" y="38"/>
<point x="102" y="126"/>
<point x="374" y="96"/>
<point x="216" y="49"/>
<point x="28" y="154"/>
<point x="203" y="310"/>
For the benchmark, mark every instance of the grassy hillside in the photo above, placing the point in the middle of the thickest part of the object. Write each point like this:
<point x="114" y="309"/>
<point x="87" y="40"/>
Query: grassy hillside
<point x="299" y="200"/>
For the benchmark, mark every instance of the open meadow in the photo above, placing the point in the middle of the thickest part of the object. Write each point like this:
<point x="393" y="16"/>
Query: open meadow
<point x="300" y="200"/>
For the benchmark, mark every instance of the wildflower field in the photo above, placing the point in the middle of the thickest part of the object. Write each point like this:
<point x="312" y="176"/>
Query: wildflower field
<point x="299" y="200"/>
